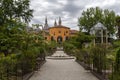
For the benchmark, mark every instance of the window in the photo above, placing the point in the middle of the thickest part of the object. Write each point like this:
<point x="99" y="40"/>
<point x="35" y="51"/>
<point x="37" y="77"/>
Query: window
<point x="59" y="31"/>
<point x="45" y="38"/>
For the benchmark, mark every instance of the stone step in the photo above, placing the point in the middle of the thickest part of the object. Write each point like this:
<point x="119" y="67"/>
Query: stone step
<point x="60" y="58"/>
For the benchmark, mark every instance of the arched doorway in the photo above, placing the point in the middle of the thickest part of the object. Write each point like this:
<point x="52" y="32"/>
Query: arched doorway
<point x="59" y="39"/>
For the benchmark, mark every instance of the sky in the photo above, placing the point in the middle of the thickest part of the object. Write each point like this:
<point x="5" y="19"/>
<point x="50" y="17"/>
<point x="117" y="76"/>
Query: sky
<point x="68" y="10"/>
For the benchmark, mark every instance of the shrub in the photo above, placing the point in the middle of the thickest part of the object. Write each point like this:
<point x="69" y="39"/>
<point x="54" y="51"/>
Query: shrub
<point x="116" y="73"/>
<point x="99" y="57"/>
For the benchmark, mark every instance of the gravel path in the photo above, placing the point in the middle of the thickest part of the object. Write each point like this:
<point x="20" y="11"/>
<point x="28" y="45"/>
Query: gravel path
<point x="62" y="70"/>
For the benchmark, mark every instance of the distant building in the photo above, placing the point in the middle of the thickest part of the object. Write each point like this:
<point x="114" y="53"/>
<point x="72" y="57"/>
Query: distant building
<point x="73" y="33"/>
<point x="58" y="32"/>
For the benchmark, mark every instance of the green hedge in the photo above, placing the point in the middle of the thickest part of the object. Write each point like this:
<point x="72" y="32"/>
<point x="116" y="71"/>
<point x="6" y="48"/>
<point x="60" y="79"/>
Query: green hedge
<point x="116" y="73"/>
<point x="19" y="64"/>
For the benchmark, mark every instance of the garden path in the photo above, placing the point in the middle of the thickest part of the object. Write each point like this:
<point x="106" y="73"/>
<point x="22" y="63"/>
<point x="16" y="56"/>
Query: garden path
<point x="62" y="69"/>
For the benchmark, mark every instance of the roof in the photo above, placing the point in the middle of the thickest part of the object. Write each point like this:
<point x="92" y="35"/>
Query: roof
<point x="73" y="31"/>
<point x="98" y="26"/>
<point x="59" y="26"/>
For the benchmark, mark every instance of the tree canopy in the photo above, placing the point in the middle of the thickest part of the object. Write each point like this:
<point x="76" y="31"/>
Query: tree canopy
<point x="118" y="25"/>
<point x="15" y="10"/>
<point x="14" y="14"/>
<point x="92" y="16"/>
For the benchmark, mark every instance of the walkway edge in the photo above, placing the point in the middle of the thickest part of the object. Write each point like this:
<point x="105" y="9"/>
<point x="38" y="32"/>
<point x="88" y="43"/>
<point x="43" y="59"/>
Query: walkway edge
<point x="80" y="63"/>
<point x="94" y="73"/>
<point x="29" y="75"/>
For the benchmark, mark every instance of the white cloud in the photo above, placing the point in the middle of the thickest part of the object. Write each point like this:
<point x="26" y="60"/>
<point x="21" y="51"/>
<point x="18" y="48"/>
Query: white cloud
<point x="69" y="10"/>
<point x="101" y="3"/>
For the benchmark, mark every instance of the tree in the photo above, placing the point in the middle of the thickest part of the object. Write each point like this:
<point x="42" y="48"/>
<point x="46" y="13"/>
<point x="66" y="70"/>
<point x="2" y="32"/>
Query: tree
<point x="98" y="55"/>
<point x="14" y="10"/>
<point x="109" y="21"/>
<point x="117" y="62"/>
<point x="37" y="25"/>
<point x="118" y="25"/>
<point x="13" y="16"/>
<point x="92" y="16"/>
<point x="83" y="38"/>
<point x="89" y="18"/>
<point x="79" y="40"/>
<point x="11" y="38"/>
<point x="116" y="74"/>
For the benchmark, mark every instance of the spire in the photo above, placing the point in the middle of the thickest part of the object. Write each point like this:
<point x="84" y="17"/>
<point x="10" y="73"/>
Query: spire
<point x="46" y="23"/>
<point x="60" y="22"/>
<point x="55" y="24"/>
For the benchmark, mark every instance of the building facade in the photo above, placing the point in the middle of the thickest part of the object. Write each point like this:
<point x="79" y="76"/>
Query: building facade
<point x="58" y="32"/>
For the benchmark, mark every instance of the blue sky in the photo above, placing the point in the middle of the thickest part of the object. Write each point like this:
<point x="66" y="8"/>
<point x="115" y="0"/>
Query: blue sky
<point x="69" y="10"/>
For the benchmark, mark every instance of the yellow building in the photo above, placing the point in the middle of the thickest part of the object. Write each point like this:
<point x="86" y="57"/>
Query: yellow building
<point x="58" y="32"/>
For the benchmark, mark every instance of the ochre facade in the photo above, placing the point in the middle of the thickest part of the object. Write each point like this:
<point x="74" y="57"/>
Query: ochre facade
<point x="58" y="33"/>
